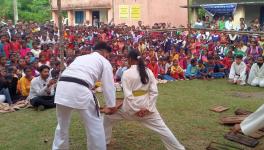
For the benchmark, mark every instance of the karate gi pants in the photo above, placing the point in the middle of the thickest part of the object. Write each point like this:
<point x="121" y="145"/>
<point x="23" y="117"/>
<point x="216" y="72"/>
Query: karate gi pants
<point x="258" y="82"/>
<point x="153" y="122"/>
<point x="93" y="127"/>
<point x="253" y="122"/>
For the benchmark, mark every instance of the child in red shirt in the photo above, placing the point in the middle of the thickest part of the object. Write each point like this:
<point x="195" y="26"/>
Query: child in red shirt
<point x="153" y="66"/>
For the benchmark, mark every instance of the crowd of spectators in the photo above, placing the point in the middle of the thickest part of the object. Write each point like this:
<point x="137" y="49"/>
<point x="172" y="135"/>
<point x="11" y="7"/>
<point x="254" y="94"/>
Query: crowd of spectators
<point x="30" y="59"/>
<point x="227" y="23"/>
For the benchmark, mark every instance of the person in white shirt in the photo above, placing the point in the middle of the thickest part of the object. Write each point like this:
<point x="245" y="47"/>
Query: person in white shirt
<point x="237" y="73"/>
<point x="229" y="24"/>
<point x="74" y="93"/>
<point x="242" y="25"/>
<point x="256" y="75"/>
<point x="41" y="93"/>
<point x="198" y="23"/>
<point x="233" y="37"/>
<point x="35" y="50"/>
<point x="140" y="96"/>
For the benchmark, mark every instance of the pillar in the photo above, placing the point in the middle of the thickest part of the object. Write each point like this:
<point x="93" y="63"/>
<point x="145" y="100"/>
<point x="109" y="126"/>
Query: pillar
<point x="55" y="17"/>
<point x="88" y="16"/>
<point x="71" y="17"/>
<point x="110" y="16"/>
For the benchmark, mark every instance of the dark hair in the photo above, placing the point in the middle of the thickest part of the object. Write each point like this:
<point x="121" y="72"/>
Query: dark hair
<point x="135" y="55"/>
<point x="239" y="56"/>
<point x="27" y="68"/>
<point x="193" y="61"/>
<point x="260" y="57"/>
<point x="102" y="46"/>
<point x="41" y="68"/>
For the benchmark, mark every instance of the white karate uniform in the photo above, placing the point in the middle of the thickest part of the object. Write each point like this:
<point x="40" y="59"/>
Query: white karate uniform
<point x="253" y="122"/>
<point x="132" y="104"/>
<point x="256" y="75"/>
<point x="69" y="96"/>
<point x="238" y="72"/>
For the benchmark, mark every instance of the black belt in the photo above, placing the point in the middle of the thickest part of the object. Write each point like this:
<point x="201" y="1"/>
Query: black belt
<point x="81" y="82"/>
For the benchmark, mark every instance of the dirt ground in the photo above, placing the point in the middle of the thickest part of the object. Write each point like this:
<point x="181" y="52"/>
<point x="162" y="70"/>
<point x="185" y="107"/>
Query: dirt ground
<point x="244" y="95"/>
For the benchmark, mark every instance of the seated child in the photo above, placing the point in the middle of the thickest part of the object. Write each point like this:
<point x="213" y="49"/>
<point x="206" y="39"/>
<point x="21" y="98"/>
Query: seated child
<point x="177" y="71"/>
<point x="163" y="71"/>
<point x="227" y="62"/>
<point x="219" y="69"/>
<point x="237" y="73"/>
<point x="192" y="70"/>
<point x="210" y="65"/>
<point x="202" y="71"/>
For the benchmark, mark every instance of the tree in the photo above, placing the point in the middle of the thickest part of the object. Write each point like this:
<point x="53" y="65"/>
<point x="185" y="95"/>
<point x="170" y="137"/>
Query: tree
<point x="36" y="10"/>
<point x="28" y="10"/>
<point x="6" y="9"/>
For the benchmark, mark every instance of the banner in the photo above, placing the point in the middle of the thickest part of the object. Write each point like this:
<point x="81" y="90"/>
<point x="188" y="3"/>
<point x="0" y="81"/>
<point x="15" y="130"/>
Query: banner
<point x="222" y="9"/>
<point x="135" y="12"/>
<point x="123" y="11"/>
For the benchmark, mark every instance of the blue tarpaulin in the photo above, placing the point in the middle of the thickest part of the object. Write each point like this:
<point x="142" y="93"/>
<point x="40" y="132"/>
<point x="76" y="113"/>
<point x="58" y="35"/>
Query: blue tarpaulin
<point x="222" y="9"/>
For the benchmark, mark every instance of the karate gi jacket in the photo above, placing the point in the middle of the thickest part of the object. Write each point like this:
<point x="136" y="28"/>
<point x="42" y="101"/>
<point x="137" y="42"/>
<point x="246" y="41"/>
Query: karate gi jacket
<point x="131" y="84"/>
<point x="238" y="70"/>
<point x="89" y="68"/>
<point x="256" y="72"/>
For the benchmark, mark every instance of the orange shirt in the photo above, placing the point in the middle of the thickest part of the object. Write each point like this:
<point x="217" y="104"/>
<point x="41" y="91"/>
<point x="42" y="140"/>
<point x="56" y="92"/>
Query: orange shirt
<point x="23" y="86"/>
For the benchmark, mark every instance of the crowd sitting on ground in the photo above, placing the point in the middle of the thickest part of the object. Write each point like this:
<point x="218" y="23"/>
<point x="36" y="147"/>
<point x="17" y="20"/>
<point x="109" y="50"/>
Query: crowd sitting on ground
<point x="30" y="60"/>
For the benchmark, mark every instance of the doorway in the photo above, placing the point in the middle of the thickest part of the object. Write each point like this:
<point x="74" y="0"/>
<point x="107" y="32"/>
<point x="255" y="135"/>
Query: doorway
<point x="79" y="17"/>
<point x="96" y="18"/>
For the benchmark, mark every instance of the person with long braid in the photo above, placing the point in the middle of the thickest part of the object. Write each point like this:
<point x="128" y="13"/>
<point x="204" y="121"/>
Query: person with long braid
<point x="140" y="96"/>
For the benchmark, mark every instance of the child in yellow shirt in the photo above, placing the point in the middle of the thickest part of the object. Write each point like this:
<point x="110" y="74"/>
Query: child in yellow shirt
<point x="177" y="71"/>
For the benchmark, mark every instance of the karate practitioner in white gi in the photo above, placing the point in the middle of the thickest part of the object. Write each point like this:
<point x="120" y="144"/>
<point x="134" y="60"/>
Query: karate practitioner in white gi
<point x="256" y="75"/>
<point x="73" y="93"/>
<point x="140" y="96"/>
<point x="252" y="123"/>
<point x="237" y="73"/>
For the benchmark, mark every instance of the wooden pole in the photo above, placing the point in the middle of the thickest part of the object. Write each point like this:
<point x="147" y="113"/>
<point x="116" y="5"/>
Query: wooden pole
<point x="188" y="9"/>
<point x="15" y="11"/>
<point x="61" y="45"/>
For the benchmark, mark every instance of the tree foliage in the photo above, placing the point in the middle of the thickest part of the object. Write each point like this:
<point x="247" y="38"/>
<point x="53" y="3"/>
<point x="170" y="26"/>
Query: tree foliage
<point x="28" y="10"/>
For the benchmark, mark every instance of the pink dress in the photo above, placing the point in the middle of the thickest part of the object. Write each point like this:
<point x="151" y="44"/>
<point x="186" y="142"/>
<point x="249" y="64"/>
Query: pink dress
<point x="24" y="51"/>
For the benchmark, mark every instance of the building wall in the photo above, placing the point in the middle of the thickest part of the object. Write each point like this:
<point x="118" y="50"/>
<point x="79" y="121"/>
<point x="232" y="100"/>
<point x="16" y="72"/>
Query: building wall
<point x="251" y="13"/>
<point x="81" y="4"/>
<point x="153" y="11"/>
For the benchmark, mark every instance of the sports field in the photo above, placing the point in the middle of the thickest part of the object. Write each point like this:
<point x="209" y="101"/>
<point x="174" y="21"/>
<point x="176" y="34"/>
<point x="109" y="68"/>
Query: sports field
<point x="183" y="105"/>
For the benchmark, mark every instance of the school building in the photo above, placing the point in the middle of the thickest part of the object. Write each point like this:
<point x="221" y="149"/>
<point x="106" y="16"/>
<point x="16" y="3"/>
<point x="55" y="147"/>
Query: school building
<point x="123" y="11"/>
